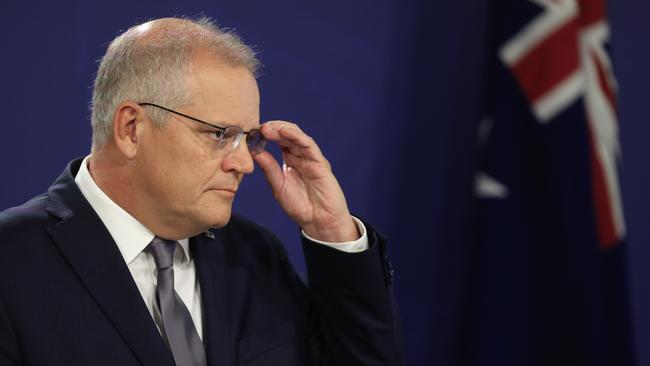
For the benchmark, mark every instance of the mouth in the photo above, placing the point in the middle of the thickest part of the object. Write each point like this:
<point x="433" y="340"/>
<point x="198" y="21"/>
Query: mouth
<point x="226" y="190"/>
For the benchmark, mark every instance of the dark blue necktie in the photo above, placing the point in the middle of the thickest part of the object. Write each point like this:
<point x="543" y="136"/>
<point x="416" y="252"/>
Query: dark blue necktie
<point x="178" y="328"/>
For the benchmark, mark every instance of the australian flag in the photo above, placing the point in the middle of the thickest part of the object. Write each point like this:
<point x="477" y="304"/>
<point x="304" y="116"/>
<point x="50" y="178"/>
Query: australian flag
<point x="549" y="280"/>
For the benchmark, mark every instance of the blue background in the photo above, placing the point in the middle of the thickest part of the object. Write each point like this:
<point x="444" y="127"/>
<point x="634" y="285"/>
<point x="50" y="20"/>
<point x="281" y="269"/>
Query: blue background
<point x="390" y="90"/>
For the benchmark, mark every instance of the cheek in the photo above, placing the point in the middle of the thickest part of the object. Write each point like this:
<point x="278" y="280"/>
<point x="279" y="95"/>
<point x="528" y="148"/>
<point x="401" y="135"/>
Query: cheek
<point x="203" y="171"/>
<point x="166" y="174"/>
<point x="205" y="164"/>
<point x="181" y="168"/>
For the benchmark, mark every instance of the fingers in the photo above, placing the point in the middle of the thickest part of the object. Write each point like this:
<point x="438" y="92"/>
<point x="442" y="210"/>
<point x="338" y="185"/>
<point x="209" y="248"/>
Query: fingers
<point x="271" y="169"/>
<point x="290" y="136"/>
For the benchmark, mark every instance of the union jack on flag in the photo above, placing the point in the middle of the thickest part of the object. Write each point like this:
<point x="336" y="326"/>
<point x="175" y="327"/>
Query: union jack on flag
<point x="559" y="58"/>
<point x="549" y="282"/>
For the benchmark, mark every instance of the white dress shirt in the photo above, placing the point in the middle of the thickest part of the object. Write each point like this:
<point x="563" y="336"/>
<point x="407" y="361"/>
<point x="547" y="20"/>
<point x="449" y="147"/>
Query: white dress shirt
<point x="132" y="238"/>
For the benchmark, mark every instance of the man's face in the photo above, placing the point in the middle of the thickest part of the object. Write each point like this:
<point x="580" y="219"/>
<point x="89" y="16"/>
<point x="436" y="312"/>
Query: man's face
<point x="188" y="177"/>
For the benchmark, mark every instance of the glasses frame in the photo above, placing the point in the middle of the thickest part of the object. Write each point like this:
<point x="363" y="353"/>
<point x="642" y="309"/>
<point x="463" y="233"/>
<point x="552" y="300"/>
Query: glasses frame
<point x="259" y="146"/>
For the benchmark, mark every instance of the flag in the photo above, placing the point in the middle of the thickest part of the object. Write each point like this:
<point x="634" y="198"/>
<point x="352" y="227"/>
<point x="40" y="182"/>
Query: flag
<point x="548" y="281"/>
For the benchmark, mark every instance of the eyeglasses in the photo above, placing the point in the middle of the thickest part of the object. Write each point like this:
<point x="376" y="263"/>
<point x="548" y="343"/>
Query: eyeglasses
<point x="228" y="137"/>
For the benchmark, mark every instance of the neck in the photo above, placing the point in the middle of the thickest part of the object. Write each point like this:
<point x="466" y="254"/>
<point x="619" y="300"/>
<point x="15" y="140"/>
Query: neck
<point x="110" y="176"/>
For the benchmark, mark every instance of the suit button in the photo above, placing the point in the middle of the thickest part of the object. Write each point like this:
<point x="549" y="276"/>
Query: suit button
<point x="391" y="272"/>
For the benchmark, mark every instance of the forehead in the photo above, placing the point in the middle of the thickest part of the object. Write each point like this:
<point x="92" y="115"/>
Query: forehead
<point x="223" y="94"/>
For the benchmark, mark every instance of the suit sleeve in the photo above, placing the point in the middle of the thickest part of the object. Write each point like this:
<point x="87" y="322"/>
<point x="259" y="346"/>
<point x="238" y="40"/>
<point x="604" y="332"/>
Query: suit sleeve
<point x="9" y="350"/>
<point x="353" y="305"/>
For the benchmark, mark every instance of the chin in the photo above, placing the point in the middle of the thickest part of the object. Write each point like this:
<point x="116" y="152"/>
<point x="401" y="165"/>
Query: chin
<point x="219" y="220"/>
<point x="221" y="223"/>
<point x="210" y="214"/>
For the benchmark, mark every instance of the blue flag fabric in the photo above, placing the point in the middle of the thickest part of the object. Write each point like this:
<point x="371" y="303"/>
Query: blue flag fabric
<point x="548" y="280"/>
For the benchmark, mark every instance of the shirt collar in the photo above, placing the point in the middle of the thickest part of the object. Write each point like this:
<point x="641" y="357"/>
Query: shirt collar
<point x="129" y="234"/>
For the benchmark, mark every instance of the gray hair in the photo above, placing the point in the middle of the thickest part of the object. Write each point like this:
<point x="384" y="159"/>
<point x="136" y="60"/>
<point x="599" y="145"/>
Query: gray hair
<point x="150" y="63"/>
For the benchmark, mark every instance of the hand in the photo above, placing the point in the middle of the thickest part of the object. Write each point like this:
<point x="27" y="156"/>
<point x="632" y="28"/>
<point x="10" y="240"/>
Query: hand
<point x="305" y="186"/>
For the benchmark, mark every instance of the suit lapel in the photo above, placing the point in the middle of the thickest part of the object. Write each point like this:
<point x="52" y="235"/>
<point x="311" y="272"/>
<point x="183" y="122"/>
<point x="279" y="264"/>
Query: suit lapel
<point x="208" y="254"/>
<point x="95" y="258"/>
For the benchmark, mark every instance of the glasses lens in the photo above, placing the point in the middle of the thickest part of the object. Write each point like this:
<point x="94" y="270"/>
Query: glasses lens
<point x="256" y="142"/>
<point x="230" y="138"/>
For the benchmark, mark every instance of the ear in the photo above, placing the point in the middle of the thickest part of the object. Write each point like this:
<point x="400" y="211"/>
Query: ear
<point x="128" y="126"/>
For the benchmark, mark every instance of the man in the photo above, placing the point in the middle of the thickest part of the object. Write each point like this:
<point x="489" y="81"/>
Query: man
<point x="133" y="257"/>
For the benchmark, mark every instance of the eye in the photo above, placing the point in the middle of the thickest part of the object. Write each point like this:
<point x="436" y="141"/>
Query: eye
<point x="215" y="135"/>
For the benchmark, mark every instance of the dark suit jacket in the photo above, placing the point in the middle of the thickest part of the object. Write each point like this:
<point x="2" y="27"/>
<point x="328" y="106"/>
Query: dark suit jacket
<point x="68" y="298"/>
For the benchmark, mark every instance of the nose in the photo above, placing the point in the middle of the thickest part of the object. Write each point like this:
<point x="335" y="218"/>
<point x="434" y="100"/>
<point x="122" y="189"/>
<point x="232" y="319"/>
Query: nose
<point x="239" y="160"/>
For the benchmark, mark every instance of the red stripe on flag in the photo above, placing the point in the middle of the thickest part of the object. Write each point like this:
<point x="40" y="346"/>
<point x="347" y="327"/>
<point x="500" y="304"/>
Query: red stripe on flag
<point x="605" y="228"/>
<point x="591" y="11"/>
<point x="549" y="63"/>
<point x="603" y="81"/>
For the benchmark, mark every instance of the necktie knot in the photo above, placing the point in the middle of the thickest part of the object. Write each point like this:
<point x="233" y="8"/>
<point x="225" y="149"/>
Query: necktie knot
<point x="163" y="252"/>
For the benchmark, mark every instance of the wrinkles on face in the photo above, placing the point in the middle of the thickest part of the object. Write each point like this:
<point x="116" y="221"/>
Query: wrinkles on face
<point x="196" y="181"/>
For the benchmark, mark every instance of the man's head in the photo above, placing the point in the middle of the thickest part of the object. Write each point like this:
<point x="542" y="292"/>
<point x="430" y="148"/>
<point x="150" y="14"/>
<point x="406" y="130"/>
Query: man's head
<point x="167" y="170"/>
<point x="151" y="61"/>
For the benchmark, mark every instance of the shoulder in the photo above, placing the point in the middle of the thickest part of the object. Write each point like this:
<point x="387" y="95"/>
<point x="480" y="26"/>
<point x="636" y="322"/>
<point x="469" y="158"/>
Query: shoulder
<point x="26" y="218"/>
<point x="24" y="228"/>
<point x="25" y="244"/>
